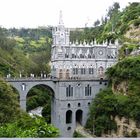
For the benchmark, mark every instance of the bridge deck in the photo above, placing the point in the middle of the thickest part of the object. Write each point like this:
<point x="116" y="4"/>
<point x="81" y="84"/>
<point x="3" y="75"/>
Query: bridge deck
<point x="51" y="79"/>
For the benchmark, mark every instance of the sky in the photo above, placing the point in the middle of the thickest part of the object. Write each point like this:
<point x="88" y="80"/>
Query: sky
<point x="34" y="13"/>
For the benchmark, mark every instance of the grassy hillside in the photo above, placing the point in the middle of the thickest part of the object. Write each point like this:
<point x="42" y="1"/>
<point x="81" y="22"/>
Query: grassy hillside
<point x="24" y="50"/>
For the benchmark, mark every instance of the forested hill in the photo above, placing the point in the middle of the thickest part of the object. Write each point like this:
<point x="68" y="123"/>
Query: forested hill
<point x="24" y="50"/>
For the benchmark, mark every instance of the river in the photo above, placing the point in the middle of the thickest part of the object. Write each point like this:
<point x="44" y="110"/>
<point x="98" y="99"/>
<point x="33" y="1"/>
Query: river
<point x="37" y="111"/>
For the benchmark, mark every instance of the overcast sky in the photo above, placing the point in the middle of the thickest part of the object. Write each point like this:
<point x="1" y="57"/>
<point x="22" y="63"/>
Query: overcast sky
<point x="34" y="13"/>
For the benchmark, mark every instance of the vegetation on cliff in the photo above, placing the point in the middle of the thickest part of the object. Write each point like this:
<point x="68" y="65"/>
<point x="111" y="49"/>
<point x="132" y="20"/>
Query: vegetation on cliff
<point x="121" y="98"/>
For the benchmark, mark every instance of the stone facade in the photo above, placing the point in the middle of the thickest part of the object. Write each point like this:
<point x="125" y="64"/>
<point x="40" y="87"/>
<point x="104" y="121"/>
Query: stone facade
<point x="70" y="102"/>
<point x="80" y="61"/>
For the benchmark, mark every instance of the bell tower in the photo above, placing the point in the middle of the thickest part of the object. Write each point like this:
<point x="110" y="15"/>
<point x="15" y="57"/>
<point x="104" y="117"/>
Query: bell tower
<point x="60" y="33"/>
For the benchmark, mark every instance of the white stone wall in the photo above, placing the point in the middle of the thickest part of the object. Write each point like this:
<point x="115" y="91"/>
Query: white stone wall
<point x="66" y="56"/>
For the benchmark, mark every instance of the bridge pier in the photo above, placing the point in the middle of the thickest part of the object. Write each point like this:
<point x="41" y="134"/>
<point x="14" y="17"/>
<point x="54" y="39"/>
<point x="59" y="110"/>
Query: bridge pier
<point x="23" y="101"/>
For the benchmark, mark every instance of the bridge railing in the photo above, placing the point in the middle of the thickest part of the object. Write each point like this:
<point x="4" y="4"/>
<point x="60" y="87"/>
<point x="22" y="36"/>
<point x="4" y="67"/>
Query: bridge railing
<point x="9" y="78"/>
<point x="51" y="79"/>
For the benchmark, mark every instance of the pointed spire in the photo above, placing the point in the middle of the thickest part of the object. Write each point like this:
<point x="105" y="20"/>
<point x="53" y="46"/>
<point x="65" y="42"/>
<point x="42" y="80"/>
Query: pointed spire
<point x="61" y="18"/>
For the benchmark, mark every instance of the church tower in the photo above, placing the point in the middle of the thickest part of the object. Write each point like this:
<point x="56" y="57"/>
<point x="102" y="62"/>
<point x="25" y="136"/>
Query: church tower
<point x="60" y="34"/>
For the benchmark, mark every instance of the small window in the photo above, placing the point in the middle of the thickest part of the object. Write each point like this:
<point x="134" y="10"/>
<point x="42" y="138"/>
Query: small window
<point x="75" y="71"/>
<point x="91" y="70"/>
<point x="23" y="86"/>
<point x="79" y="104"/>
<point x="69" y="128"/>
<point x="68" y="105"/>
<point x="88" y="103"/>
<point x="83" y="71"/>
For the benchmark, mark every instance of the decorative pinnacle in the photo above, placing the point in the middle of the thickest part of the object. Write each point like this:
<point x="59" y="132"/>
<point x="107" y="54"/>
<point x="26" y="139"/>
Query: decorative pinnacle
<point x="60" y="18"/>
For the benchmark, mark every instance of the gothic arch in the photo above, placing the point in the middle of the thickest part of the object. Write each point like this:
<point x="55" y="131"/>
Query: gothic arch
<point x="60" y="74"/>
<point x="23" y="87"/>
<point x="100" y="71"/>
<point x="67" y="74"/>
<point x="68" y="116"/>
<point x="79" y="116"/>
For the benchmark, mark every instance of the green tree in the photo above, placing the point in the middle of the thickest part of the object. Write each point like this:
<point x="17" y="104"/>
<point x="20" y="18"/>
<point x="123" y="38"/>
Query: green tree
<point x="9" y="107"/>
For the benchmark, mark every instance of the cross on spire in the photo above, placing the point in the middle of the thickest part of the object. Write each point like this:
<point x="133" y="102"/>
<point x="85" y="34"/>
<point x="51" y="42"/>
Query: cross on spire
<point x="60" y="18"/>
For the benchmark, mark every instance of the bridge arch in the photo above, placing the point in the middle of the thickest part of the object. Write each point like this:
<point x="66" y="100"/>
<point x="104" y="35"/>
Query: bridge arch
<point x="23" y="86"/>
<point x="42" y="84"/>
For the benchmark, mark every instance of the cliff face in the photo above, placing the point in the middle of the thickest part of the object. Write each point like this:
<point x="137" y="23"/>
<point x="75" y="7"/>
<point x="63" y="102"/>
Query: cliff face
<point x="133" y="33"/>
<point x="126" y="127"/>
<point x="121" y="88"/>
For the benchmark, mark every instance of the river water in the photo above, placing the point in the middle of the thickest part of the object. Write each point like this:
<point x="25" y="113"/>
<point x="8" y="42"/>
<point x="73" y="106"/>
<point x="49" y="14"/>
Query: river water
<point x="37" y="111"/>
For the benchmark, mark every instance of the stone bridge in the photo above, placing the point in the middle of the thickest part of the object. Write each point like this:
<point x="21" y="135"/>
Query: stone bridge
<point x="70" y="102"/>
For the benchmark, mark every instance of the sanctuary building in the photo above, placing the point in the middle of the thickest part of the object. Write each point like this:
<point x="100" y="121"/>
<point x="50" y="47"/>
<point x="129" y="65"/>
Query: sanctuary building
<point x="80" y="61"/>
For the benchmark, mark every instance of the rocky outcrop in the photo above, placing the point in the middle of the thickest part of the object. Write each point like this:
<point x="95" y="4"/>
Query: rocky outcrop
<point x="133" y="33"/>
<point x="126" y="127"/>
<point x="122" y="87"/>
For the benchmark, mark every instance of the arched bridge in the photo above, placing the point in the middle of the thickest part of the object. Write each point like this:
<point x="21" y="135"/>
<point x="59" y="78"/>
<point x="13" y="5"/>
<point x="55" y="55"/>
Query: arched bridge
<point x="71" y="100"/>
<point x="24" y="85"/>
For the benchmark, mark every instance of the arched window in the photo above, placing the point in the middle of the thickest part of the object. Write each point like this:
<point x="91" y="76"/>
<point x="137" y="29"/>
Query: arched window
<point x="75" y="71"/>
<point x="66" y="55"/>
<point x="83" y="71"/>
<point x="89" y="56"/>
<point x="79" y="104"/>
<point x="91" y="70"/>
<point x="69" y="116"/>
<point x="88" y="103"/>
<point x="81" y="56"/>
<point x="69" y="91"/>
<point x="60" y="74"/>
<point x="68" y="105"/>
<point x="101" y="71"/>
<point x="79" y="116"/>
<point x="67" y="74"/>
<point x="88" y="90"/>
<point x="73" y="55"/>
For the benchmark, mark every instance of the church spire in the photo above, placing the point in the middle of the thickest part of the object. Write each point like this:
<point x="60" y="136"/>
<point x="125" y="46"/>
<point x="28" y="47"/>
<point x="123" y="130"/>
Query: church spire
<point x="60" y="18"/>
